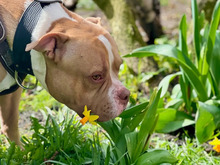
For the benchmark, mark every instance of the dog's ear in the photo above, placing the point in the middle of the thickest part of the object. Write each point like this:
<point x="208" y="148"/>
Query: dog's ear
<point x="50" y="44"/>
<point x="95" y="20"/>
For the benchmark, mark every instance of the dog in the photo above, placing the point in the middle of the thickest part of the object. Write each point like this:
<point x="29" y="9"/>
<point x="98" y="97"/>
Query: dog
<point x="75" y="59"/>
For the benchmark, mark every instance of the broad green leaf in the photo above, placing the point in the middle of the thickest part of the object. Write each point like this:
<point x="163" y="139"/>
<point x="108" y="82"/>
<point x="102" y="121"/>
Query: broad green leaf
<point x="120" y="157"/>
<point x="147" y="124"/>
<point x="149" y="117"/>
<point x="132" y="117"/>
<point x="212" y="31"/>
<point x="111" y="128"/>
<point x="164" y="50"/>
<point x="156" y="157"/>
<point x="184" y="83"/>
<point x="208" y="47"/>
<point x="196" y="26"/>
<point x="171" y="120"/>
<point x="174" y="103"/>
<point x="189" y="68"/>
<point x="208" y="119"/>
<point x="183" y="36"/>
<point x="186" y="90"/>
<point x="215" y="61"/>
<point x="164" y="84"/>
<point x="131" y="141"/>
<point x="131" y="111"/>
<point x="132" y="124"/>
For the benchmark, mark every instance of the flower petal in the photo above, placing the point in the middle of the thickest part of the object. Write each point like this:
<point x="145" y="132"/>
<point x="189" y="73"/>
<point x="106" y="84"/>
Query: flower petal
<point x="217" y="148"/>
<point x="84" y="120"/>
<point x="216" y="141"/>
<point x="93" y="118"/>
<point x="86" y="112"/>
<point x="93" y="123"/>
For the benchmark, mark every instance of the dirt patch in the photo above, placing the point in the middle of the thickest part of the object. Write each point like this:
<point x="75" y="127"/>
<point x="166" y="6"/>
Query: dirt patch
<point x="24" y="123"/>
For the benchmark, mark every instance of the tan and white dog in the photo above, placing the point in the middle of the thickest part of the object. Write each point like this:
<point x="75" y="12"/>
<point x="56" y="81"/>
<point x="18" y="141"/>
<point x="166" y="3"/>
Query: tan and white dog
<point x="75" y="59"/>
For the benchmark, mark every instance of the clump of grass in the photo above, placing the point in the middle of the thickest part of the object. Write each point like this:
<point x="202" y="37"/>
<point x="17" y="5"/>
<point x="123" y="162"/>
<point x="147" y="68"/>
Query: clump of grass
<point x="61" y="140"/>
<point x="188" y="151"/>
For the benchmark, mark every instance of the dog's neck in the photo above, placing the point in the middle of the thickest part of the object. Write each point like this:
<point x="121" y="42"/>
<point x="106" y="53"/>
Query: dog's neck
<point x="47" y="17"/>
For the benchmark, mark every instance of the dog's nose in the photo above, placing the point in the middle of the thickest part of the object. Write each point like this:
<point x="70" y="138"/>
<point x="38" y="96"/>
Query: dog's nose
<point x="124" y="95"/>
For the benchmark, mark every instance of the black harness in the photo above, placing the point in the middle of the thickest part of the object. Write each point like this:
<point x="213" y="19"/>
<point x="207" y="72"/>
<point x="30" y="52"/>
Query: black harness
<point x="18" y="62"/>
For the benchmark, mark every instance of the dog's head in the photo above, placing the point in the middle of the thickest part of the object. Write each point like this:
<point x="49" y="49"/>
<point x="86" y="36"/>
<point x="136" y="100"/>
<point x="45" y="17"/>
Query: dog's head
<point x="82" y="65"/>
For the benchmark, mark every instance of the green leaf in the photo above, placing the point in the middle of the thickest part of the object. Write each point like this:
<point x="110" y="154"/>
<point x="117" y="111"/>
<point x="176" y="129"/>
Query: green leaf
<point x="107" y="157"/>
<point x="150" y="116"/>
<point x="132" y="124"/>
<point x="132" y="111"/>
<point x="111" y="128"/>
<point x="188" y="67"/>
<point x="214" y="65"/>
<point x="212" y="31"/>
<point x="164" y="84"/>
<point x="131" y="142"/>
<point x="148" y="124"/>
<point x="57" y="132"/>
<point x="196" y="26"/>
<point x="186" y="90"/>
<point x="171" y="120"/>
<point x="183" y="36"/>
<point x="184" y="83"/>
<point x="208" y="119"/>
<point x="156" y="157"/>
<point x="174" y="103"/>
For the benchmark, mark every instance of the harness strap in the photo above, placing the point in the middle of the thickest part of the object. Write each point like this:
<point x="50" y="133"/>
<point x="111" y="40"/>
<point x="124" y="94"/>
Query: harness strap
<point x="19" y="60"/>
<point x="5" y="58"/>
<point x="29" y="19"/>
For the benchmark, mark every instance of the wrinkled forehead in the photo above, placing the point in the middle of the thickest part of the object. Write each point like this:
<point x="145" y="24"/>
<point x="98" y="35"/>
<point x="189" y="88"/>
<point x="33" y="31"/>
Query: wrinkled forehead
<point x="111" y="48"/>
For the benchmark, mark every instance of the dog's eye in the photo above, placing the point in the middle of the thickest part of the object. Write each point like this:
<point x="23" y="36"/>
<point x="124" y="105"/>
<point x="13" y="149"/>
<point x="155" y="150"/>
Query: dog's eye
<point x="97" y="77"/>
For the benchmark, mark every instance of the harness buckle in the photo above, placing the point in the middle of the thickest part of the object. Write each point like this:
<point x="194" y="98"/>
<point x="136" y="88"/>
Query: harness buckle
<point x="22" y="86"/>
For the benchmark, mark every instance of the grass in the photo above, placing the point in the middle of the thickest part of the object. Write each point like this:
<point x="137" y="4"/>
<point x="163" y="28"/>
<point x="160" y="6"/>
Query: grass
<point x="62" y="140"/>
<point x="187" y="151"/>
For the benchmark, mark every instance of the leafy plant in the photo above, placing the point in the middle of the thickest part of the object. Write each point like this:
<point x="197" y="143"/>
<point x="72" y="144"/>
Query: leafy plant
<point x="130" y="136"/>
<point x="199" y="76"/>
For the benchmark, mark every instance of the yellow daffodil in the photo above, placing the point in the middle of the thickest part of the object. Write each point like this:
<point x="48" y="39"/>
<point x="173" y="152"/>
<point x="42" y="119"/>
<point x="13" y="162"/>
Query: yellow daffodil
<point x="216" y="144"/>
<point x="88" y="117"/>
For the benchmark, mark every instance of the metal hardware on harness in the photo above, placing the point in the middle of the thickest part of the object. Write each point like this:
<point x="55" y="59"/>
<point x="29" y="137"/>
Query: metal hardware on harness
<point x="2" y="32"/>
<point x="17" y="81"/>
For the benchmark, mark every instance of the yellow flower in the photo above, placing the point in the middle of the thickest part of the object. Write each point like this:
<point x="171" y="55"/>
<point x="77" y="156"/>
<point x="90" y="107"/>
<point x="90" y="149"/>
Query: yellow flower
<point x="134" y="95"/>
<point x="216" y="144"/>
<point x="88" y="117"/>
